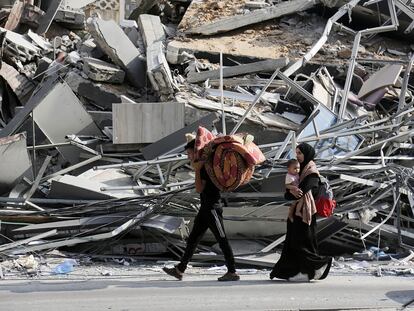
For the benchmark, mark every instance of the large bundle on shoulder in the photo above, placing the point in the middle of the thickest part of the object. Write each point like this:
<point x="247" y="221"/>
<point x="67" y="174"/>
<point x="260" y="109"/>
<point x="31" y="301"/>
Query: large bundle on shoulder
<point x="229" y="160"/>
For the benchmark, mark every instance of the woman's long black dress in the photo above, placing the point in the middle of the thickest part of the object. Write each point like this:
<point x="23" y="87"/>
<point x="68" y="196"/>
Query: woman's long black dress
<point x="300" y="249"/>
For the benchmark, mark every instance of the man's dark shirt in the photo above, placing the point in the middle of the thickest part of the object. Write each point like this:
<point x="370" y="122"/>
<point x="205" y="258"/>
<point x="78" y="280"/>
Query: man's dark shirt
<point x="210" y="194"/>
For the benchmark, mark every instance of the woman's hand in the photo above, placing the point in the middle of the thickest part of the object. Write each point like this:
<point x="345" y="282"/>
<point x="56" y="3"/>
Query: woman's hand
<point x="296" y="192"/>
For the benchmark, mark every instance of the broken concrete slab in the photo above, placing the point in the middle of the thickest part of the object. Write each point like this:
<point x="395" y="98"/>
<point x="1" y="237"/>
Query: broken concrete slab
<point x="101" y="95"/>
<point x="151" y="29"/>
<point x="100" y="71"/>
<point x="179" y="51"/>
<point x="134" y="123"/>
<point x="40" y="41"/>
<point x="15" y="162"/>
<point x="115" y="43"/>
<point x="90" y="48"/>
<point x="158" y="70"/>
<point x="257" y="16"/>
<point x="256" y="67"/>
<point x="18" y="48"/>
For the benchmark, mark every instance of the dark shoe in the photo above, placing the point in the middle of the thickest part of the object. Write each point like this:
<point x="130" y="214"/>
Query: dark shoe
<point x="229" y="276"/>
<point x="173" y="272"/>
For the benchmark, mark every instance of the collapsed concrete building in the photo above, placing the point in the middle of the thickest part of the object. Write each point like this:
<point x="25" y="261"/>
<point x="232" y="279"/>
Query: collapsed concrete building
<point x="94" y="111"/>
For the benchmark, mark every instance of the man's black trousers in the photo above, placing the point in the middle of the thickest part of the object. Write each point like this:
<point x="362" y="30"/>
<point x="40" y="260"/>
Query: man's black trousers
<point x="208" y="219"/>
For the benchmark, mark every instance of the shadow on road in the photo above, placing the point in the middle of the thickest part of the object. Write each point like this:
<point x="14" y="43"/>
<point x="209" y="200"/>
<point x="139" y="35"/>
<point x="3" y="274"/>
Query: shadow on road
<point x="402" y="296"/>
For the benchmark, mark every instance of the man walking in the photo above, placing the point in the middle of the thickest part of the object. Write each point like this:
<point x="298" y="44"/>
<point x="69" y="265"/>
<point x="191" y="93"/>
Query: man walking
<point x="210" y="216"/>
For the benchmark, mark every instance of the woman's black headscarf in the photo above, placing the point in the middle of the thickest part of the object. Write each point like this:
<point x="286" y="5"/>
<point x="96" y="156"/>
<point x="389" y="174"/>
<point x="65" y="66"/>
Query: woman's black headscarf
<point x="308" y="152"/>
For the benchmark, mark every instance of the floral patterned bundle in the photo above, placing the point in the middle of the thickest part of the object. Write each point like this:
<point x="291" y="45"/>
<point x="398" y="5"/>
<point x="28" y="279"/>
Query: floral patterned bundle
<point x="229" y="160"/>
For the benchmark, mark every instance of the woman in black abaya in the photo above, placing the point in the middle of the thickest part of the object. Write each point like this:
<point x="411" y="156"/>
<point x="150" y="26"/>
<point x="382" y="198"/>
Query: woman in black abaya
<point x="300" y="259"/>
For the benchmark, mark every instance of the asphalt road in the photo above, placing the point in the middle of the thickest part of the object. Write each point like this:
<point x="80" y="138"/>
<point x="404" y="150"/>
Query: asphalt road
<point x="202" y="292"/>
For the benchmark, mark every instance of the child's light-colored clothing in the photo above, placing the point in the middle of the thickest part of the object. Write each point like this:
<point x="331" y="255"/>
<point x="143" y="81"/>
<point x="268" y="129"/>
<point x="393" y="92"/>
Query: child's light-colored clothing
<point x="292" y="179"/>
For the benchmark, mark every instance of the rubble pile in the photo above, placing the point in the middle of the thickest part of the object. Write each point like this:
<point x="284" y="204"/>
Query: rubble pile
<point x="94" y="111"/>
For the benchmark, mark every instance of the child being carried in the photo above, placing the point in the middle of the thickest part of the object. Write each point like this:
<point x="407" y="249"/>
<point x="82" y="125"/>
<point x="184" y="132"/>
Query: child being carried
<point x="292" y="177"/>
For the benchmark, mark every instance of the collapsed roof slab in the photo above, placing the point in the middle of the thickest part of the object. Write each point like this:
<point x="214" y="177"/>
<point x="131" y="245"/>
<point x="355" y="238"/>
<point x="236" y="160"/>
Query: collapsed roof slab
<point x="116" y="44"/>
<point x="210" y="48"/>
<point x="256" y="16"/>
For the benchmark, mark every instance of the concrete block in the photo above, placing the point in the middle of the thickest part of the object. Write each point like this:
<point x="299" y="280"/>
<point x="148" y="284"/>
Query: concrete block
<point x="70" y="19"/>
<point x="98" y="70"/>
<point x="17" y="47"/>
<point x="151" y="29"/>
<point x="31" y="15"/>
<point x="115" y="43"/>
<point x="158" y="70"/>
